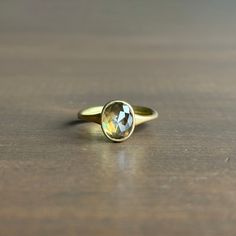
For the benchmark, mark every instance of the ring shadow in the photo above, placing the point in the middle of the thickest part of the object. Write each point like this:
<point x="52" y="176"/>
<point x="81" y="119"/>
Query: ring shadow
<point x="73" y="123"/>
<point x="89" y="135"/>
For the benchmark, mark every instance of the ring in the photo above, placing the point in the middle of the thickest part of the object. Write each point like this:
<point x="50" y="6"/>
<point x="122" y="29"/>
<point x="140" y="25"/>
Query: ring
<point x="118" y="118"/>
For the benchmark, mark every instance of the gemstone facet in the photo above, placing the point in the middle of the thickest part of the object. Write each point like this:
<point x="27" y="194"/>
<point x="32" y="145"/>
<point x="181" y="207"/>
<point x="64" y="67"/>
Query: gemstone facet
<point x="117" y="120"/>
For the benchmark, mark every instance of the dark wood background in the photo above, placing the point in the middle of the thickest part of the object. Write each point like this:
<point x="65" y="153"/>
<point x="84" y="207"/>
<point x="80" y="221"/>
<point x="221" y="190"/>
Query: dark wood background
<point x="174" y="176"/>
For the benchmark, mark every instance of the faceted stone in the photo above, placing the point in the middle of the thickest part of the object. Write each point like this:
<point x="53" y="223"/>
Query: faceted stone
<point x="117" y="120"/>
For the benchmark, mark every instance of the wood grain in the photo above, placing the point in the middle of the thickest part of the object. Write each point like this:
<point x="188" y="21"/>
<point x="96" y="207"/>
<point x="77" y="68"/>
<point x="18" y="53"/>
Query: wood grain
<point x="174" y="176"/>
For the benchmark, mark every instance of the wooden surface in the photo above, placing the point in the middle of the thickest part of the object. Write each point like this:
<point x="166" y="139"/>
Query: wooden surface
<point x="174" y="176"/>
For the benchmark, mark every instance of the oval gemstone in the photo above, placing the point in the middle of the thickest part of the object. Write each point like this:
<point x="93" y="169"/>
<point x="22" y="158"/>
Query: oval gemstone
<point x="117" y="120"/>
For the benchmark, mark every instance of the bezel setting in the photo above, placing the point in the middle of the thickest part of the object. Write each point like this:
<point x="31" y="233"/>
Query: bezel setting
<point x="103" y="117"/>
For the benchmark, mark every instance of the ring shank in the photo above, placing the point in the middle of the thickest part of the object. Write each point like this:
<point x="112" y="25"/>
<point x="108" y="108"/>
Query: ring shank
<point x="142" y="114"/>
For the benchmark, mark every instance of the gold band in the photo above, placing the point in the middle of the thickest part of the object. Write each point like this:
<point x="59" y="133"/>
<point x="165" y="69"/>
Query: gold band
<point x="142" y="114"/>
<point x="118" y="118"/>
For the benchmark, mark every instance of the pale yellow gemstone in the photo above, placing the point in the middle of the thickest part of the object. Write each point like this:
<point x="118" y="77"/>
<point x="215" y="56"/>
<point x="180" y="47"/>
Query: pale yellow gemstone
<point x="118" y="120"/>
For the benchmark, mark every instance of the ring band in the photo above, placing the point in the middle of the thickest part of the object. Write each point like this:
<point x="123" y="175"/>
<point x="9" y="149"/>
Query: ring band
<point x="118" y="118"/>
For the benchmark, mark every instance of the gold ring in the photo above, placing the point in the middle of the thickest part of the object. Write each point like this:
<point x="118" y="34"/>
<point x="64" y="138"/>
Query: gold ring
<point x="118" y="118"/>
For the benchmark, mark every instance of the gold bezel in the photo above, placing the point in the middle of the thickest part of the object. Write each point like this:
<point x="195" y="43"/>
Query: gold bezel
<point x="133" y="125"/>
